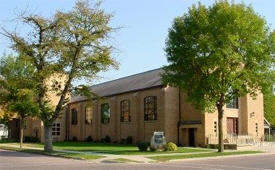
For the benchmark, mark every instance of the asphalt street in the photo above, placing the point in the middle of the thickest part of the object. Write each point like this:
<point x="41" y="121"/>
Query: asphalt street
<point x="10" y="160"/>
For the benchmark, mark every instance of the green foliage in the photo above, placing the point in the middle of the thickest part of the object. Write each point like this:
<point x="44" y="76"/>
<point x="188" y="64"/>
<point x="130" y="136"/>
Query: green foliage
<point x="18" y="88"/>
<point x="89" y="139"/>
<point x="269" y="106"/>
<point x="152" y="149"/>
<point x="129" y="140"/>
<point x="212" y="146"/>
<point x="67" y="46"/>
<point x="223" y="50"/>
<point x="219" y="53"/>
<point x="142" y="146"/>
<point x="107" y="139"/>
<point x="31" y="139"/>
<point x="171" y="147"/>
<point x="74" y="138"/>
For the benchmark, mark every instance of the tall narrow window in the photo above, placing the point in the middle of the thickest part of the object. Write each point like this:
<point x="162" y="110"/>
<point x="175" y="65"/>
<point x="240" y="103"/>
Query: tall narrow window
<point x="74" y="116"/>
<point x="88" y="115"/>
<point x="150" y="108"/>
<point x="105" y="113"/>
<point x="233" y="103"/>
<point x="125" y="111"/>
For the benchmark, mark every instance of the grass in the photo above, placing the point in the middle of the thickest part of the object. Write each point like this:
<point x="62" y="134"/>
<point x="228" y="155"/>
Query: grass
<point x="109" y="148"/>
<point x="118" y="149"/>
<point x="200" y="155"/>
<point x="58" y="154"/>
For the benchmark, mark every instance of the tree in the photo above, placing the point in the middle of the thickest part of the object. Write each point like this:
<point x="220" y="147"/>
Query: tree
<point x="269" y="106"/>
<point x="17" y="90"/>
<point x="73" y="44"/>
<point x="219" y="53"/>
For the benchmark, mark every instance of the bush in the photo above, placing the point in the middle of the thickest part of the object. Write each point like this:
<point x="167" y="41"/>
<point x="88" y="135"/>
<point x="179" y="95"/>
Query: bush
<point x="74" y="138"/>
<point x="31" y="139"/>
<point x="171" y="147"/>
<point x="102" y="140"/>
<point x="212" y="146"/>
<point x="142" y="146"/>
<point x="152" y="149"/>
<point x="107" y="139"/>
<point x="89" y="139"/>
<point x="122" y="141"/>
<point x="129" y="140"/>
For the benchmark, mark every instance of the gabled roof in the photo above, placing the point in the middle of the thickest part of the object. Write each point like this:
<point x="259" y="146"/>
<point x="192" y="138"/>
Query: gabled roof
<point x="141" y="81"/>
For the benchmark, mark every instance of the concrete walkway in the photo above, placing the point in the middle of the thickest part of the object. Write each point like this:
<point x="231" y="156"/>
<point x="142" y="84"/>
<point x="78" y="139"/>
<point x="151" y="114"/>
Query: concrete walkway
<point x="108" y="158"/>
<point x="268" y="147"/>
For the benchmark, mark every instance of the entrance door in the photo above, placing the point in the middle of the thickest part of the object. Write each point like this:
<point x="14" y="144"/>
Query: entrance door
<point x="232" y="125"/>
<point x="192" y="137"/>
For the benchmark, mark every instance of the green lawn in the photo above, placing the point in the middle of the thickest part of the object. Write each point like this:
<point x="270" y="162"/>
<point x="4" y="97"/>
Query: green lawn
<point x="117" y="149"/>
<point x="200" y="155"/>
<point x="55" y="153"/>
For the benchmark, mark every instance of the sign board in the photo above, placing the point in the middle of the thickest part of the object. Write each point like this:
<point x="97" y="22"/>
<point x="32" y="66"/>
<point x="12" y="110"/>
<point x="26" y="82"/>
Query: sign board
<point x="158" y="138"/>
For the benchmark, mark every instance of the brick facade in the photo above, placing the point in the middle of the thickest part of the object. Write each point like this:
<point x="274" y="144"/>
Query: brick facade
<point x="178" y="119"/>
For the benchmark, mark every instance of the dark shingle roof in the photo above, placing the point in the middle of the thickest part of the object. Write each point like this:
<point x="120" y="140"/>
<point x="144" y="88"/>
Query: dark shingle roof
<point x="145" y="80"/>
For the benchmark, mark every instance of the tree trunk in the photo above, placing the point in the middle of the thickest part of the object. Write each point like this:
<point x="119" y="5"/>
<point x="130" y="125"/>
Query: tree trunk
<point x="220" y="128"/>
<point x="21" y="132"/>
<point x="48" y="143"/>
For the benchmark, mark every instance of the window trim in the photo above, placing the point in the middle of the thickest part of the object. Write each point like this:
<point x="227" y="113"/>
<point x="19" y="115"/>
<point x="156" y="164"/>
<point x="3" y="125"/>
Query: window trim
<point x="150" y="100"/>
<point x="124" y="110"/>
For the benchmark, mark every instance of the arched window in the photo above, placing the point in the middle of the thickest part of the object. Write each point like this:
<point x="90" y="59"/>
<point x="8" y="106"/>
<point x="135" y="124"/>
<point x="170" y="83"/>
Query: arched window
<point x="105" y="113"/>
<point x="74" y="116"/>
<point x="88" y="115"/>
<point x="125" y="111"/>
<point x="150" y="108"/>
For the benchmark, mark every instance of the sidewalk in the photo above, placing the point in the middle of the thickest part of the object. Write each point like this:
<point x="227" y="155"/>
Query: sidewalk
<point x="268" y="147"/>
<point x="108" y="158"/>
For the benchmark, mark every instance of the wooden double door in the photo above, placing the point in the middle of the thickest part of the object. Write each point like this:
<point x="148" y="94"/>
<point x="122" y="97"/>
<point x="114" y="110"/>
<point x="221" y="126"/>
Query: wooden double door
<point x="232" y="125"/>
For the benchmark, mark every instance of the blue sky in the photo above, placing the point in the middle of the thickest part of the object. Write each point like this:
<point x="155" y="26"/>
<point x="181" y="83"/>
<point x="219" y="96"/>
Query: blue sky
<point x="145" y="26"/>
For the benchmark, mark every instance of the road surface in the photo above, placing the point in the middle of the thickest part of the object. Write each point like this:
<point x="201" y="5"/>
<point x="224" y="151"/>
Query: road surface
<point x="10" y="160"/>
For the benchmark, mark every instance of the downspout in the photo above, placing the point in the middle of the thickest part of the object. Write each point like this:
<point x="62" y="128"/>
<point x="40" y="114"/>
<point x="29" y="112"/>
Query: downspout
<point x="179" y="122"/>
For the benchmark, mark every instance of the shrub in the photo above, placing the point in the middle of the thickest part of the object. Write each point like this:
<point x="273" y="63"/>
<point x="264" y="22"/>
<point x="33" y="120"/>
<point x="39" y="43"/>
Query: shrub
<point x="122" y="141"/>
<point x="31" y="139"/>
<point x="74" y="138"/>
<point x="152" y="149"/>
<point x="107" y="139"/>
<point x="212" y="146"/>
<point x="89" y="139"/>
<point x="129" y="140"/>
<point x="142" y="146"/>
<point x="102" y="140"/>
<point x="27" y="139"/>
<point x="171" y="147"/>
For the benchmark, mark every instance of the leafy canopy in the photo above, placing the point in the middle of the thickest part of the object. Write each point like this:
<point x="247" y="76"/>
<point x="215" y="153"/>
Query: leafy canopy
<point x="219" y="53"/>
<point x="66" y="47"/>
<point x="17" y="88"/>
